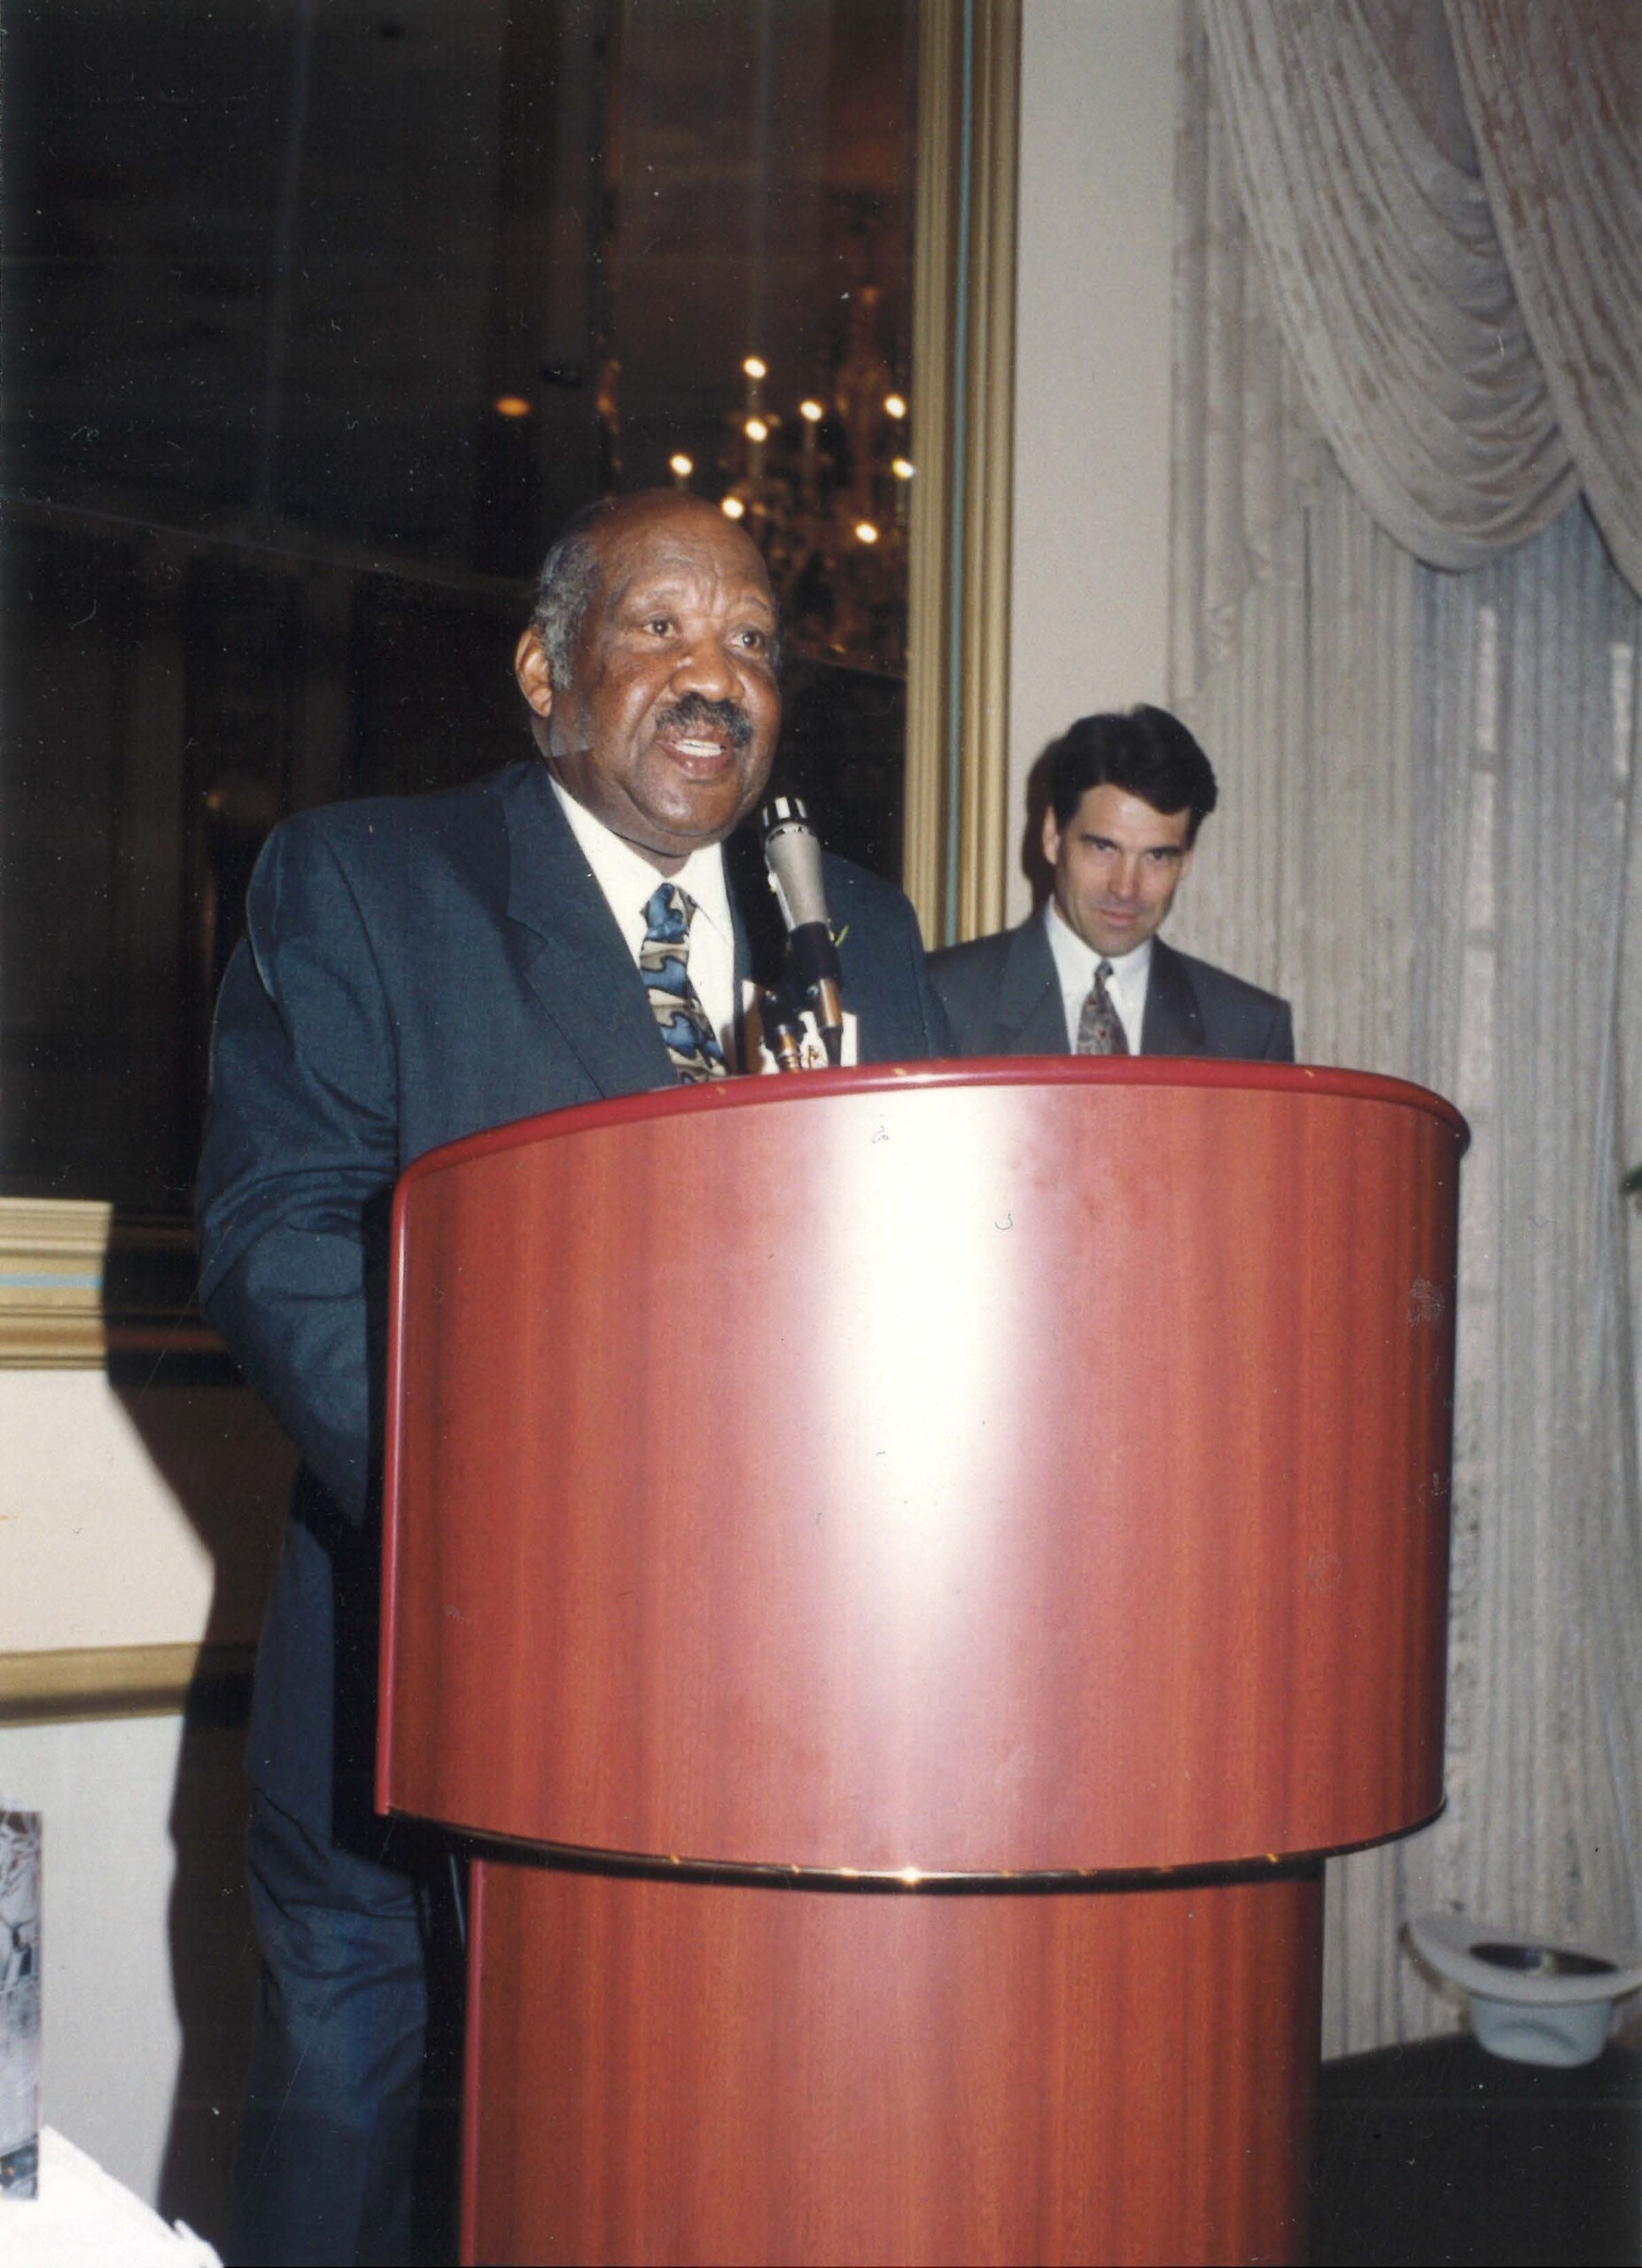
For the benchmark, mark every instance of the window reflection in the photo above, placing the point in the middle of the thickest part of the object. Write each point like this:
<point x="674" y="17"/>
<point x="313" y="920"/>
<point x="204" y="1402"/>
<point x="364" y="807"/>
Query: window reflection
<point x="318" y="318"/>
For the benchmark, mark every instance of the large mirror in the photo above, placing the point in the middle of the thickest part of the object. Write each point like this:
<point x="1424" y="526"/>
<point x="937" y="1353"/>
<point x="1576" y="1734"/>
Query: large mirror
<point x="317" y="320"/>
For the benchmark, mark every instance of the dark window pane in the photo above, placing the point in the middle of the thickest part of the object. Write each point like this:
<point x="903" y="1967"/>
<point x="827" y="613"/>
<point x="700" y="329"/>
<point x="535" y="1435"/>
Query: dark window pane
<point x="319" y="318"/>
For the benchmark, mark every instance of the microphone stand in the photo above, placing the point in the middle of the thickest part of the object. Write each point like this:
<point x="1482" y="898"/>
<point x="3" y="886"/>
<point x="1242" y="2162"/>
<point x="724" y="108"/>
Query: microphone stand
<point x="782" y="1021"/>
<point x="811" y="975"/>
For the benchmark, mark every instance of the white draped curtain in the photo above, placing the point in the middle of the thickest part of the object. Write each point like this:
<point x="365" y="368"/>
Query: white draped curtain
<point x="1408" y="378"/>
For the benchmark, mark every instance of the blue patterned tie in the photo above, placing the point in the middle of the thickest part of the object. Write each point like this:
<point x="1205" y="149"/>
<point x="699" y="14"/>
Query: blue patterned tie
<point x="664" y="964"/>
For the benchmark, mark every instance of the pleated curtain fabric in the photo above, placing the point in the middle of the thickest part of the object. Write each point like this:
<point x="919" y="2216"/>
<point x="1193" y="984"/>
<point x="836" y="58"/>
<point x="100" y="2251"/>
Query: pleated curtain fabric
<point x="1428" y="839"/>
<point x="1554" y="100"/>
<point x="1450" y="231"/>
<point x="1385" y="273"/>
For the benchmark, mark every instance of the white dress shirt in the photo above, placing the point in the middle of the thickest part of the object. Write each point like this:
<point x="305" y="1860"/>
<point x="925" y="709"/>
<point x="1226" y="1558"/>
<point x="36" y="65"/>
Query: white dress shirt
<point x="629" y="880"/>
<point x="1074" y="964"/>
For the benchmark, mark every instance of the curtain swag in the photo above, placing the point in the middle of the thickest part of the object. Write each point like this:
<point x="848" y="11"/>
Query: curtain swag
<point x="1448" y="214"/>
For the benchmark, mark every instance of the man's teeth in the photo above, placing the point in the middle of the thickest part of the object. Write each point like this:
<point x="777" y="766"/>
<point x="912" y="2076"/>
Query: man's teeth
<point x="700" y="748"/>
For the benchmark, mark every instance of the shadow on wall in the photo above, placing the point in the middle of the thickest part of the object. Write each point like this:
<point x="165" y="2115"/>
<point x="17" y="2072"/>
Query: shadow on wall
<point x="228" y="1467"/>
<point x="214" y="1958"/>
<point x="1034" y="865"/>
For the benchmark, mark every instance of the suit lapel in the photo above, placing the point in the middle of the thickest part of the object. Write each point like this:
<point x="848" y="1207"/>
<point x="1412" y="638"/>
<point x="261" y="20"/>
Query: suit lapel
<point x="1173" y="1023"/>
<point x="1030" y="1018"/>
<point x="572" y="954"/>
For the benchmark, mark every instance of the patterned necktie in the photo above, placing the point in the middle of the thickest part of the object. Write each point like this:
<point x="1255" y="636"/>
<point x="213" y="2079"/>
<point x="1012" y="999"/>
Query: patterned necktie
<point x="664" y="964"/>
<point x="1099" y="1027"/>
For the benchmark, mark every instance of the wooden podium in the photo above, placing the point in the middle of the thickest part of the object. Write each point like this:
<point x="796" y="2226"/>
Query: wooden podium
<point x="908" y="1574"/>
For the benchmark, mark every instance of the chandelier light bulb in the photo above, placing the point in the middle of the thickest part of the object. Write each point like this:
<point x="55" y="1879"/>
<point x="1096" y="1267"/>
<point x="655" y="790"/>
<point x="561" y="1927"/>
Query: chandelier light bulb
<point x="895" y="404"/>
<point x="732" y="508"/>
<point x="756" y="430"/>
<point x="903" y="468"/>
<point x="682" y="464"/>
<point x="865" y="531"/>
<point x="753" y="367"/>
<point x="810" y="411"/>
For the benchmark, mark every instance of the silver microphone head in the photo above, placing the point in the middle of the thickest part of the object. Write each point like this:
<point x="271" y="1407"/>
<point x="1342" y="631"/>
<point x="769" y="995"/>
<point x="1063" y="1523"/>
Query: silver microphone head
<point x="792" y="851"/>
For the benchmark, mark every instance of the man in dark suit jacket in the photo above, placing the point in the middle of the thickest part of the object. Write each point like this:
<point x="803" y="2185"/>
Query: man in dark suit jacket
<point x="1088" y="973"/>
<point x="416" y="971"/>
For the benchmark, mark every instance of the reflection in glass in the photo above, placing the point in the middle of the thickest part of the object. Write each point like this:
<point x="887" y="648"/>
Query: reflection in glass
<point x="318" y="318"/>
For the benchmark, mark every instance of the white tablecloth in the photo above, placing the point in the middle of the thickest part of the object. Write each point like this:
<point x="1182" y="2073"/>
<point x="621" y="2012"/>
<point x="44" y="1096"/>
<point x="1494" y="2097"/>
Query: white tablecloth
<point x="84" y="2219"/>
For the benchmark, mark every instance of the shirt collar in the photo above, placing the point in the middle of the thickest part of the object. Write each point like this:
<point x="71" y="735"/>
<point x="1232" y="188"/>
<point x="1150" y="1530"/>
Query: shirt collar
<point x="629" y="880"/>
<point x="1076" y="962"/>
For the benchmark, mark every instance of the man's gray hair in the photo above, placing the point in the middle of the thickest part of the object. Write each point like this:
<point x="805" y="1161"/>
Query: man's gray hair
<point x="565" y="588"/>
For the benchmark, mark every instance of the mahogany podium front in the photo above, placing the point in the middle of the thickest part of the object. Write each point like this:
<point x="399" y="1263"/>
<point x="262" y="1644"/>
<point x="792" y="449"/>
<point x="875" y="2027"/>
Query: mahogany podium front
<point x="908" y="1574"/>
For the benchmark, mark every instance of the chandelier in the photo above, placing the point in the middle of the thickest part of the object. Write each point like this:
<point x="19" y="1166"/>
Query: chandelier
<point x="823" y="485"/>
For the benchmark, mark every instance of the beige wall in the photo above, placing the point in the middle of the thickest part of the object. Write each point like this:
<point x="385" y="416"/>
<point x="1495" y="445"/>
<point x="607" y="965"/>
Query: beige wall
<point x="134" y="1517"/>
<point x="1090" y="599"/>
<point x="130" y="1516"/>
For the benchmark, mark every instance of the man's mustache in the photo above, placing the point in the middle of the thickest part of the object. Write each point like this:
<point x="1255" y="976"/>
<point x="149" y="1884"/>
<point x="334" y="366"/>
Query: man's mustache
<point x="695" y="713"/>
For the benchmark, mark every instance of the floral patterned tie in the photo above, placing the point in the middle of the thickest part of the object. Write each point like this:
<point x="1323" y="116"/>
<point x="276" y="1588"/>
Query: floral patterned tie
<point x="664" y="964"/>
<point x="1099" y="1027"/>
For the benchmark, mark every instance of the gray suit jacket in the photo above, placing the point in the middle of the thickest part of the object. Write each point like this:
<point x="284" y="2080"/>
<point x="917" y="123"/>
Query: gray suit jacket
<point x="414" y="970"/>
<point x="1003" y="996"/>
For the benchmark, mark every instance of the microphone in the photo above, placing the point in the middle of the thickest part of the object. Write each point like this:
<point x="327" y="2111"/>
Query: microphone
<point x="792" y="852"/>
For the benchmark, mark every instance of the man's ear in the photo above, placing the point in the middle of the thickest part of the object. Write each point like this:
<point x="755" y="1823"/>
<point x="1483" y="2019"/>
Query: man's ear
<point x="1051" y="835"/>
<point x="534" y="671"/>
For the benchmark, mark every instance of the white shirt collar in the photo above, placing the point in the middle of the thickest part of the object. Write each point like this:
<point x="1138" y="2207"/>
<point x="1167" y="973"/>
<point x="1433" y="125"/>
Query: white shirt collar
<point x="1074" y="964"/>
<point x="629" y="880"/>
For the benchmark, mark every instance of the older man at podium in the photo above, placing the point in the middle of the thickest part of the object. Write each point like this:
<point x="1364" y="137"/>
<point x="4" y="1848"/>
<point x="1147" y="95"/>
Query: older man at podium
<point x="417" y="970"/>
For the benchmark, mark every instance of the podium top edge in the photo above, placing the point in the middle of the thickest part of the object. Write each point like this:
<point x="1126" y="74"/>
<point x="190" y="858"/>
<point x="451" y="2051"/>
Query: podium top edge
<point x="977" y="1071"/>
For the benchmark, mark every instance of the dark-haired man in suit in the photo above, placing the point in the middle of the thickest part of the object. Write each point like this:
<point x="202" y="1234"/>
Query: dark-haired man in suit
<point x="1088" y="973"/>
<point x="417" y="970"/>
